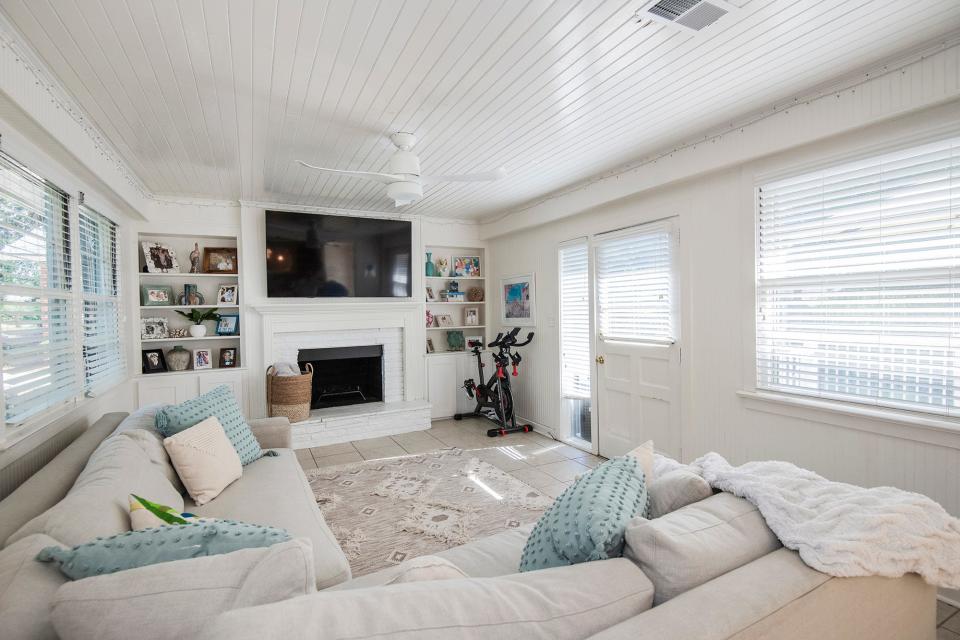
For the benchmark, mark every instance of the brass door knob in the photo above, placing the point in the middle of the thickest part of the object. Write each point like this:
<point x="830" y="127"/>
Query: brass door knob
<point x="599" y="359"/>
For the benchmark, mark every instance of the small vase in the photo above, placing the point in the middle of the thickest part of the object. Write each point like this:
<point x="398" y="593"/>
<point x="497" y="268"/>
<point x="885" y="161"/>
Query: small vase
<point x="431" y="269"/>
<point x="198" y="330"/>
<point x="178" y="359"/>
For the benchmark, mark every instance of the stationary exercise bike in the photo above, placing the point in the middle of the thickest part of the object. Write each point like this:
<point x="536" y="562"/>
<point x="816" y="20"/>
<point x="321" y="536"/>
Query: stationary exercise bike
<point x="496" y="395"/>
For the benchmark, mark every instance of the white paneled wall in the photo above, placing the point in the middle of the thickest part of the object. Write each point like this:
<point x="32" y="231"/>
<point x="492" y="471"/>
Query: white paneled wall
<point x="716" y="213"/>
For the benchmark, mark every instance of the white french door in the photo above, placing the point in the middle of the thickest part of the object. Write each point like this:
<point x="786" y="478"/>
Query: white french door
<point x="637" y="363"/>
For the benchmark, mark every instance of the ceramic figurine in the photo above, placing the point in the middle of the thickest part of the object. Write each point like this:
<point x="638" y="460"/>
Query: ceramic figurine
<point x="195" y="258"/>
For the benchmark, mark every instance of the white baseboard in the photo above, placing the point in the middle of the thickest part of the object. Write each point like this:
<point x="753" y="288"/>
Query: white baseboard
<point x="950" y="596"/>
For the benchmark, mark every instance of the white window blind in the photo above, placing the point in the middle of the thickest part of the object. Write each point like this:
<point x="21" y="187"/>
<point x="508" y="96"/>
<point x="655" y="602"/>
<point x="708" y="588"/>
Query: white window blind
<point x="575" y="321"/>
<point x="103" y="361"/>
<point x="635" y="284"/>
<point x="858" y="281"/>
<point x="37" y="323"/>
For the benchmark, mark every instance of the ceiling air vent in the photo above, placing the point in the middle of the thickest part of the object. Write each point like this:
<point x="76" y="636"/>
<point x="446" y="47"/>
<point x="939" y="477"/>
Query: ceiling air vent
<point x="693" y="15"/>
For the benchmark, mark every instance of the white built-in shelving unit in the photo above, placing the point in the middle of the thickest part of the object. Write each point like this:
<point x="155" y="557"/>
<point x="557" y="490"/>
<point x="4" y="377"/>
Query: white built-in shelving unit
<point x="457" y="310"/>
<point x="175" y="386"/>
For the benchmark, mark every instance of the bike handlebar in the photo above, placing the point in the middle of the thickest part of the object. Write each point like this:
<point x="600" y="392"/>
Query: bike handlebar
<point x="496" y="341"/>
<point x="525" y="342"/>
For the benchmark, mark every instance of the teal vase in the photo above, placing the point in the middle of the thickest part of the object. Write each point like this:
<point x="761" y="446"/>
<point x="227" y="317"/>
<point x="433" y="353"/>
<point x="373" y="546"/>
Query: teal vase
<point x="431" y="270"/>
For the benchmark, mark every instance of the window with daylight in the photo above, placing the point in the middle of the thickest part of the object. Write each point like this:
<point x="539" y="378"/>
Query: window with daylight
<point x="635" y="284"/>
<point x="575" y="365"/>
<point x="858" y="281"/>
<point x="60" y="335"/>
<point x="103" y="361"/>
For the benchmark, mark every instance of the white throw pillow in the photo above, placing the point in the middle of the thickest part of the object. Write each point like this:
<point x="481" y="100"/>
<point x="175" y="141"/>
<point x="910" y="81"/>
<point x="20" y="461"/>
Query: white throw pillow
<point x="204" y="459"/>
<point x="644" y="456"/>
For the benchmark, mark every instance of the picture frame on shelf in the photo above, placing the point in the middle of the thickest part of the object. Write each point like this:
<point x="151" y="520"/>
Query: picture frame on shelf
<point x="518" y="301"/>
<point x="444" y="320"/>
<point x="156" y="295"/>
<point x="202" y="359"/>
<point x="430" y="347"/>
<point x="220" y="260"/>
<point x="153" y="361"/>
<point x="471" y="316"/>
<point x="154" y="328"/>
<point x="228" y="358"/>
<point x="228" y="294"/>
<point x="466" y="266"/>
<point x="160" y="258"/>
<point x="228" y="324"/>
<point x="431" y="294"/>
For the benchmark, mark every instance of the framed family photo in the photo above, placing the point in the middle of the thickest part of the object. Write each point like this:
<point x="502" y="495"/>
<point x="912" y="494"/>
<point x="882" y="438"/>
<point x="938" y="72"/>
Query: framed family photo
<point x="228" y="357"/>
<point x="156" y="295"/>
<point x="160" y="258"/>
<point x="153" y="361"/>
<point x="517" y="301"/>
<point x="202" y="359"/>
<point x="228" y="294"/>
<point x="219" y="259"/>
<point x="228" y="324"/>
<point x="153" y="328"/>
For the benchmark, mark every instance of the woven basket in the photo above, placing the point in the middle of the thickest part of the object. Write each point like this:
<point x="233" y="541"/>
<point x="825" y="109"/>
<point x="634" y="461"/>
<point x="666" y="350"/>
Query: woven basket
<point x="289" y="396"/>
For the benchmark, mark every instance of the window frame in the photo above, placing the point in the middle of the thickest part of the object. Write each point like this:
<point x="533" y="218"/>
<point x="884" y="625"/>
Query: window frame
<point x="37" y="163"/>
<point x="912" y="424"/>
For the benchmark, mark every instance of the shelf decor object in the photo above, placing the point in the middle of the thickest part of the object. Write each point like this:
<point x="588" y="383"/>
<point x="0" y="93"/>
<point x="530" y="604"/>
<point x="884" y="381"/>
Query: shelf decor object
<point x="220" y="260"/>
<point x="195" y="258"/>
<point x="198" y="317"/>
<point x="228" y="324"/>
<point x="289" y="396"/>
<point x="156" y="295"/>
<point x="178" y="359"/>
<point x="153" y="361"/>
<point x="153" y="328"/>
<point x="431" y="269"/>
<point x="191" y="296"/>
<point x="466" y="266"/>
<point x="202" y="359"/>
<point x="161" y="258"/>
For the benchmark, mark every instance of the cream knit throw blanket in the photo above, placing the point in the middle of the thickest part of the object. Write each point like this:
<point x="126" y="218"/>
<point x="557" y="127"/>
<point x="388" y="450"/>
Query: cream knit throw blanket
<point x="841" y="529"/>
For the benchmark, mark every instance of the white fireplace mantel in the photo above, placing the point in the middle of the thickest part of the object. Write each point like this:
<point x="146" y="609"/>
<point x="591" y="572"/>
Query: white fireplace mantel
<point x="279" y="319"/>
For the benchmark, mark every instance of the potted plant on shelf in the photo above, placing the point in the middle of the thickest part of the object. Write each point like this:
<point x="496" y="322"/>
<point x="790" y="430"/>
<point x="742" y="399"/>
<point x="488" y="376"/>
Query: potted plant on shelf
<point x="198" y="317"/>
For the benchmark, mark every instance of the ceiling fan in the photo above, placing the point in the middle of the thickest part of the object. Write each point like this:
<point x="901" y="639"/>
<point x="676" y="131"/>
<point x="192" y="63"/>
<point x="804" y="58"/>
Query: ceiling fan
<point x="404" y="181"/>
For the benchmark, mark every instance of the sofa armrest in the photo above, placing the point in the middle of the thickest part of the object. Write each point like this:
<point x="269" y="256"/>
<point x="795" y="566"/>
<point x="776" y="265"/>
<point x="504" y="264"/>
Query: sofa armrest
<point x="272" y="433"/>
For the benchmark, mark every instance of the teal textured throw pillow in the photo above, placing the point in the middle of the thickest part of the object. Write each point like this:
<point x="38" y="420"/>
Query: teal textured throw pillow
<point x="587" y="521"/>
<point x="163" y="544"/>
<point x="218" y="402"/>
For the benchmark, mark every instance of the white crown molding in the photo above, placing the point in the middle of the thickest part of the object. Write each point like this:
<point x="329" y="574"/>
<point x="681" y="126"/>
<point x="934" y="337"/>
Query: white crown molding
<point x="30" y="61"/>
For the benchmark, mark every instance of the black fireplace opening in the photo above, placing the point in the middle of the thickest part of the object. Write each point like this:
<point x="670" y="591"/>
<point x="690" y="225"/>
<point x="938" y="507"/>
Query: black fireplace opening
<point x="344" y="375"/>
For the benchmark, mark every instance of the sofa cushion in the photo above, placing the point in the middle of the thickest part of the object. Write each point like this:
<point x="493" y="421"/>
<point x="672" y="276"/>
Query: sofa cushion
<point x="98" y="503"/>
<point x="586" y="522"/>
<point x="204" y="459"/>
<point x="162" y="601"/>
<point x="49" y="485"/>
<point x="697" y="543"/>
<point x="218" y="402"/>
<point x="674" y="490"/>
<point x="496" y="555"/>
<point x="559" y="604"/>
<point x="26" y="589"/>
<point x="274" y="491"/>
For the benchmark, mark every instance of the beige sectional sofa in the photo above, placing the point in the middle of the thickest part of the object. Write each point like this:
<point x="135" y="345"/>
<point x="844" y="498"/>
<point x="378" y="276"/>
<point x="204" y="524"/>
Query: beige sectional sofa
<point x="709" y="571"/>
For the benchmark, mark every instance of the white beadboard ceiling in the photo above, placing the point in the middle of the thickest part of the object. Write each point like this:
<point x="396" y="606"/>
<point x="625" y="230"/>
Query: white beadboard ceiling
<point x="219" y="98"/>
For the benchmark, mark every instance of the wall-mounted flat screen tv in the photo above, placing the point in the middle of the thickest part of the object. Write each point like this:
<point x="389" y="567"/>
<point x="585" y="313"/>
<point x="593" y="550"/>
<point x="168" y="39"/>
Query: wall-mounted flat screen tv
<point x="326" y="256"/>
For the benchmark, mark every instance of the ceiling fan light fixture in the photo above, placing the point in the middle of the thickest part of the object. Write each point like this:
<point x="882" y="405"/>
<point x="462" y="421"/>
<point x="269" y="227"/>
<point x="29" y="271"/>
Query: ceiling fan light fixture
<point x="404" y="193"/>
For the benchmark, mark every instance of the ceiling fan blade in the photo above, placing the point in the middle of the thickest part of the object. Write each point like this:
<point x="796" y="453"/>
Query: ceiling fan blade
<point x="486" y="176"/>
<point x="385" y="178"/>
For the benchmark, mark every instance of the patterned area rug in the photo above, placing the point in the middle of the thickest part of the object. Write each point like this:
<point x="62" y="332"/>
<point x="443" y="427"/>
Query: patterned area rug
<point x="386" y="511"/>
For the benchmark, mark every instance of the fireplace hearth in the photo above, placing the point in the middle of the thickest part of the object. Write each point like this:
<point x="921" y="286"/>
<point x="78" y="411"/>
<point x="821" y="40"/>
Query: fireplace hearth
<point x="344" y="375"/>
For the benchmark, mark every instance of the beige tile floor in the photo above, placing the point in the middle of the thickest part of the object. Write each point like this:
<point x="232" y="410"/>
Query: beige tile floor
<point x="542" y="463"/>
